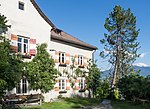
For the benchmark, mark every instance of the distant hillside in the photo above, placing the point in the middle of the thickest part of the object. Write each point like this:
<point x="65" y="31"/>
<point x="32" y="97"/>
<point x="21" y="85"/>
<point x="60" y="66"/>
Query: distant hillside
<point x="145" y="71"/>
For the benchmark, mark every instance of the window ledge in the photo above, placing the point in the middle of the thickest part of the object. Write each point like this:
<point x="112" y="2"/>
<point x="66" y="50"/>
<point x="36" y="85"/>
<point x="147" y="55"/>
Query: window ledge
<point x="62" y="91"/>
<point x="62" y="64"/>
<point x="81" y="66"/>
<point x="82" y="90"/>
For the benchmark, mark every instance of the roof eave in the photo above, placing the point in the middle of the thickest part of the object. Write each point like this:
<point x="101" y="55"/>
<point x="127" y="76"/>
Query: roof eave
<point x="76" y="43"/>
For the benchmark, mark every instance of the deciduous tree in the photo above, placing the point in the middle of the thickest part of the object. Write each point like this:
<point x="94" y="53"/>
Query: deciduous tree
<point x="40" y="71"/>
<point x="10" y="65"/>
<point x="93" y="78"/>
<point x="3" y="24"/>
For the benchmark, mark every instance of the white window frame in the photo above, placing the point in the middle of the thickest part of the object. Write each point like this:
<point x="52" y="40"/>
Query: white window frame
<point x="21" y="85"/>
<point x="62" y="84"/>
<point x="80" y="60"/>
<point x="81" y="84"/>
<point x="22" y="44"/>
<point x="23" y="5"/>
<point x="61" y="57"/>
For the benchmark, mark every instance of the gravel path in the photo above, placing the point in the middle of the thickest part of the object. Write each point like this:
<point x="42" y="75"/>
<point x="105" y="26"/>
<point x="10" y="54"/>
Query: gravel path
<point x="103" y="105"/>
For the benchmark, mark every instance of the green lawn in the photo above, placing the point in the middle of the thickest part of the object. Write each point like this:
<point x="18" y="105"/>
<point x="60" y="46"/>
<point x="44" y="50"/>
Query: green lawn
<point x="129" y="105"/>
<point x="67" y="103"/>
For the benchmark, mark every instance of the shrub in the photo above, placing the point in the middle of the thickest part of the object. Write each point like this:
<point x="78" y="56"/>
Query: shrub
<point x="116" y="94"/>
<point x="134" y="86"/>
<point x="60" y="96"/>
<point x="104" y="90"/>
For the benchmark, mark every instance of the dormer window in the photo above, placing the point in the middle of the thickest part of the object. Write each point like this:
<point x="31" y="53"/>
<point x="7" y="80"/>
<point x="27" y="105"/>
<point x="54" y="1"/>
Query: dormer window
<point x="58" y="31"/>
<point x="21" y="5"/>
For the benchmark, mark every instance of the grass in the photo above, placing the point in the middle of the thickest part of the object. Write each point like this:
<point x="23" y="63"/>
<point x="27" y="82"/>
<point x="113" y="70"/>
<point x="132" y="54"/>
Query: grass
<point x="67" y="103"/>
<point x="129" y="105"/>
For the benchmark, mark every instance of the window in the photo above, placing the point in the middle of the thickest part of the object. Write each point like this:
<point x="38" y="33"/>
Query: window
<point x="18" y="88"/>
<point x="80" y="60"/>
<point x="22" y="86"/>
<point x="19" y="44"/>
<point x="62" y="57"/>
<point x="81" y="83"/>
<point x="21" y="5"/>
<point x="23" y="44"/>
<point x="62" y="84"/>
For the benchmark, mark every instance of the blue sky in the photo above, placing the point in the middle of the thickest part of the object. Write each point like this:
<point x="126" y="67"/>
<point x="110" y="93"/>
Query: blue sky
<point x="85" y="19"/>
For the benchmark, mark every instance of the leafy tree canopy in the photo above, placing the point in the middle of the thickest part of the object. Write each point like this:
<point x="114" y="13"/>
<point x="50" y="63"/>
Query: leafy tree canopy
<point x="40" y="71"/>
<point x="10" y="64"/>
<point x="3" y="24"/>
<point x="94" y="77"/>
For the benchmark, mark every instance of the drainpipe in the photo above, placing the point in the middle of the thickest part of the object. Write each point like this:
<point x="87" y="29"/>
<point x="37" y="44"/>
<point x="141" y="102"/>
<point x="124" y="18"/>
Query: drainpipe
<point x="93" y="55"/>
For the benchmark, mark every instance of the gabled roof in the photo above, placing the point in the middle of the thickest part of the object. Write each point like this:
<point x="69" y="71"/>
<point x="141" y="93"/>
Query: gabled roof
<point x="65" y="37"/>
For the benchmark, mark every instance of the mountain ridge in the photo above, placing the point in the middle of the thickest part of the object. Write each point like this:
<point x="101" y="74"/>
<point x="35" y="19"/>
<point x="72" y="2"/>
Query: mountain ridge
<point x="144" y="70"/>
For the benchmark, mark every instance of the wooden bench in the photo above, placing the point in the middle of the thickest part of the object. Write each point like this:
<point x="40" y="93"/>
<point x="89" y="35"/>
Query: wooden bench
<point x="24" y="99"/>
<point x="33" y="98"/>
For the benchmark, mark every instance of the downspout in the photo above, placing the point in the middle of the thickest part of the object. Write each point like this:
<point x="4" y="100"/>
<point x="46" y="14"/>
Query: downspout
<point x="93" y="56"/>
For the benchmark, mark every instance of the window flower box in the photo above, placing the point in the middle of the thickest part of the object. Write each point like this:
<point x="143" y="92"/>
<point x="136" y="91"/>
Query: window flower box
<point x="24" y="55"/>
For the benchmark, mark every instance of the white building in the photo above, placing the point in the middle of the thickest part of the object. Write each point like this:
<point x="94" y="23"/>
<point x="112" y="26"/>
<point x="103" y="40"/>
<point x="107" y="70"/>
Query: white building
<point x="30" y="26"/>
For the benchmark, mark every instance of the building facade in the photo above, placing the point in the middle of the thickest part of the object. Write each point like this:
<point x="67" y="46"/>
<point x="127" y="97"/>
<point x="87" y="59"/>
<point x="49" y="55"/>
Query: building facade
<point x="29" y="27"/>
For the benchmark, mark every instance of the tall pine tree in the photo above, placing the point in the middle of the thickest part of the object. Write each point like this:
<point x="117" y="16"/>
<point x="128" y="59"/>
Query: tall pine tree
<point x="120" y="42"/>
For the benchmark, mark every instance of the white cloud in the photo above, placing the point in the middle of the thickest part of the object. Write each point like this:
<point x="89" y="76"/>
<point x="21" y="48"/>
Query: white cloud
<point x="108" y="51"/>
<point x="143" y="55"/>
<point x="141" y="65"/>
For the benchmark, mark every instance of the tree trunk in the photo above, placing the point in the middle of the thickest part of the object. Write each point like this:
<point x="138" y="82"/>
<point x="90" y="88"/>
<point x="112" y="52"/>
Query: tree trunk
<point x="89" y="95"/>
<point x="115" y="74"/>
<point x="116" y="62"/>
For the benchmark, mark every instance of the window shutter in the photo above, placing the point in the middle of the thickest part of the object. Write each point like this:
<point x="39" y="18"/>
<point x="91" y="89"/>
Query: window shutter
<point x="77" y="84"/>
<point x="85" y="61"/>
<point x="67" y="58"/>
<point x="56" y="87"/>
<point x="57" y="56"/>
<point x="68" y="84"/>
<point x="32" y="46"/>
<point x="13" y="43"/>
<point x="76" y="59"/>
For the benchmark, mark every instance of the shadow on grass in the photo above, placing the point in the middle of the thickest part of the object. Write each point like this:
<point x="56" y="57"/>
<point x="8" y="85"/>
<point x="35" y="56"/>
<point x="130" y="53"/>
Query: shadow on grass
<point x="81" y="102"/>
<point x="129" y="105"/>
